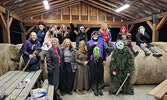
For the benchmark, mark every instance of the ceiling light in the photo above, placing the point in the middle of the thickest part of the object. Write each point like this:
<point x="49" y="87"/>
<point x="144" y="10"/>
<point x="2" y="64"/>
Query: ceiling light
<point x="122" y="8"/>
<point x="46" y="4"/>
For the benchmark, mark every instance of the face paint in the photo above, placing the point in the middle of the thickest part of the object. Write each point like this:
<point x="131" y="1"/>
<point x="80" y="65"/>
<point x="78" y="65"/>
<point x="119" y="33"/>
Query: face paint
<point x="119" y="45"/>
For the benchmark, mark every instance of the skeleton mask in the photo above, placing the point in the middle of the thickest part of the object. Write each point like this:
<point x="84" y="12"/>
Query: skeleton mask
<point x="82" y="29"/>
<point x="120" y="45"/>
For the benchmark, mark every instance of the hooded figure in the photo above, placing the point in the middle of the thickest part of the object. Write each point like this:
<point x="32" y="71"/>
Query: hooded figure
<point x="126" y="38"/>
<point x="81" y="36"/>
<point x="142" y="40"/>
<point x="97" y="56"/>
<point x="121" y="66"/>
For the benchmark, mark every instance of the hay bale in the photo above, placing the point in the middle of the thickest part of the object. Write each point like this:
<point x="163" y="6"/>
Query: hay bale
<point x="7" y="51"/>
<point x="148" y="69"/>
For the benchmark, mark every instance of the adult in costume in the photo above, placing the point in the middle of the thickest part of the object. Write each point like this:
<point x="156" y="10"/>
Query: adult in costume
<point x="142" y="40"/>
<point x="53" y="65"/>
<point x="81" y="36"/>
<point x="82" y="74"/>
<point x="68" y="67"/>
<point x="121" y="66"/>
<point x="97" y="55"/>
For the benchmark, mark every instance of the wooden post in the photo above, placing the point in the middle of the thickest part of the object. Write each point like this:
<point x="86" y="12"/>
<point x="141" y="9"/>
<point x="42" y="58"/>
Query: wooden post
<point x="131" y="28"/>
<point x="61" y="16"/>
<point x="97" y="15"/>
<point x="155" y="33"/>
<point x="70" y="14"/>
<point x="5" y="28"/>
<point x="79" y="12"/>
<point x="88" y="14"/>
<point x="23" y="35"/>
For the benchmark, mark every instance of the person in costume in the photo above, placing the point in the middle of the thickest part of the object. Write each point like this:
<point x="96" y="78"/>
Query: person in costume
<point x="51" y="33"/>
<point x="121" y="66"/>
<point x="97" y="55"/>
<point x="40" y="31"/>
<point x="105" y="34"/>
<point x="28" y="49"/>
<point x="126" y="37"/>
<point x="81" y="36"/>
<point x="68" y="67"/>
<point x="82" y="74"/>
<point x="64" y="33"/>
<point x="142" y="40"/>
<point x="53" y="59"/>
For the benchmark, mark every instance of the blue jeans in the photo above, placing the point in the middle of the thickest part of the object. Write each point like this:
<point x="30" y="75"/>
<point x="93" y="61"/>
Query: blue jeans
<point x="33" y="65"/>
<point x="107" y="45"/>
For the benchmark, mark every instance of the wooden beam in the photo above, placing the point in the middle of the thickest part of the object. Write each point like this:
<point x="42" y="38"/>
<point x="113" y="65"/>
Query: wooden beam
<point x="163" y="20"/>
<point x="61" y="16"/>
<point x="109" y="11"/>
<point x="57" y="6"/>
<point x="2" y="9"/>
<point x="23" y="35"/>
<point x="29" y="30"/>
<point x="2" y="21"/>
<point x="38" y="7"/>
<point x="150" y="24"/>
<point x="140" y="20"/>
<point x="18" y="3"/>
<point x="10" y="21"/>
<point x="27" y="6"/>
<point x="154" y="4"/>
<point x="113" y="11"/>
<point x="131" y="28"/>
<point x="87" y="29"/>
<point x="88" y="13"/>
<point x="34" y="21"/>
<point x="79" y="12"/>
<point x="70" y="14"/>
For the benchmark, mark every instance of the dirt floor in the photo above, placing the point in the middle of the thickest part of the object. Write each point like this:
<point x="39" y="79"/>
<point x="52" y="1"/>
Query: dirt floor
<point x="140" y="94"/>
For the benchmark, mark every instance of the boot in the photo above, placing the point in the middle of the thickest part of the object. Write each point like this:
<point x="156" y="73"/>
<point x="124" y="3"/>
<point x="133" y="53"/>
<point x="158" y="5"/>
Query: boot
<point x="79" y="92"/>
<point x="94" y="88"/>
<point x="135" y="52"/>
<point x="147" y="53"/>
<point x="17" y="59"/>
<point x="100" y="89"/>
<point x="56" y="96"/>
<point x="157" y="54"/>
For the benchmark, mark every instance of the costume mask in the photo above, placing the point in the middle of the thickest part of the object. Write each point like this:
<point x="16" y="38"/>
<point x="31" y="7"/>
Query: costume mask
<point x="119" y="45"/>
<point x="82" y="29"/>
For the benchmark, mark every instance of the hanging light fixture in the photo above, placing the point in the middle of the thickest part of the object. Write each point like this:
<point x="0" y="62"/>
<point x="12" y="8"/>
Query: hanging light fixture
<point x="122" y="8"/>
<point x="46" y="4"/>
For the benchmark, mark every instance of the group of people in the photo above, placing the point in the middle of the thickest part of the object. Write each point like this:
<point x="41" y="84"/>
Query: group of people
<point x="79" y="68"/>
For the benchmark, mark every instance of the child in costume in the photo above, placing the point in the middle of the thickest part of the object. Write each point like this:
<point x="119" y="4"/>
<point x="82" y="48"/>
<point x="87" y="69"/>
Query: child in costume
<point x="126" y="37"/>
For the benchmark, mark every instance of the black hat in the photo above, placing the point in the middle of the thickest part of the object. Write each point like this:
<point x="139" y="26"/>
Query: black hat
<point x="41" y="23"/>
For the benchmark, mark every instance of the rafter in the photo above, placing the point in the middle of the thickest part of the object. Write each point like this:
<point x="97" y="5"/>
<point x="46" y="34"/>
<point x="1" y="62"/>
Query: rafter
<point x="111" y="9"/>
<point x="18" y="3"/>
<point x="2" y="9"/>
<point x="35" y="3"/>
<point x="154" y="4"/>
<point x="52" y="8"/>
<point x="110" y="4"/>
<point x="39" y="7"/>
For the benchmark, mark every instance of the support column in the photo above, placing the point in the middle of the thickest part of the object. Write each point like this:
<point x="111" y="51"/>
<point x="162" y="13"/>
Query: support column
<point x="155" y="33"/>
<point x="5" y="28"/>
<point x="23" y="35"/>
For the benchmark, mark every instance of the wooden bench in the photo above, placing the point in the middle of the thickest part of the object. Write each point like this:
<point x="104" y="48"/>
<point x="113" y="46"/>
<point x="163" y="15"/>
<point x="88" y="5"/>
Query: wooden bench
<point x="9" y="81"/>
<point x="49" y="89"/>
<point x="160" y="91"/>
